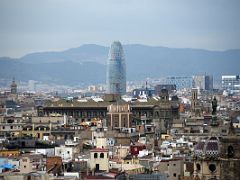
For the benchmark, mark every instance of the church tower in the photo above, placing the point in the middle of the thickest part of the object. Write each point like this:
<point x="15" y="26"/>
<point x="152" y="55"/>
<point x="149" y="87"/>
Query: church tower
<point x="194" y="99"/>
<point x="13" y="87"/>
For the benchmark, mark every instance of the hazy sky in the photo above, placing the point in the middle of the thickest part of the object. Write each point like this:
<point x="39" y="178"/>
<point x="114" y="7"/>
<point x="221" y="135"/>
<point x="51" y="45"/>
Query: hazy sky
<point x="43" y="25"/>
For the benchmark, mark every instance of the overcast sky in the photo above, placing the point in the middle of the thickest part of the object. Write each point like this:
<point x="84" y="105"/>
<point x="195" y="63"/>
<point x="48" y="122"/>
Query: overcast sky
<point x="43" y="25"/>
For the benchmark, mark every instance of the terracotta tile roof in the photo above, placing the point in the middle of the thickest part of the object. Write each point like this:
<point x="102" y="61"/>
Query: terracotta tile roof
<point x="99" y="150"/>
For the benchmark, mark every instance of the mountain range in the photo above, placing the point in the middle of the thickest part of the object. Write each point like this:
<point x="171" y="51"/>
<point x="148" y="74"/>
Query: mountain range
<point x="87" y="64"/>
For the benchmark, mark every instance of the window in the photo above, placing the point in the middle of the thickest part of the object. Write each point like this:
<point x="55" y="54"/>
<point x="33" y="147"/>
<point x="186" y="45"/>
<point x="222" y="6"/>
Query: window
<point x="174" y="175"/>
<point x="174" y="164"/>
<point x="68" y="152"/>
<point x="102" y="155"/>
<point x="198" y="167"/>
<point x="230" y="152"/>
<point x="24" y="166"/>
<point x="95" y="155"/>
<point x="212" y="167"/>
<point x="3" y="127"/>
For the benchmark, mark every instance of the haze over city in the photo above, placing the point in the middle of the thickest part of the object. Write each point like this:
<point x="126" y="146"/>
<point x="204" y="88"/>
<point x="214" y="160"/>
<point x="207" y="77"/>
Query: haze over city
<point x="33" y="26"/>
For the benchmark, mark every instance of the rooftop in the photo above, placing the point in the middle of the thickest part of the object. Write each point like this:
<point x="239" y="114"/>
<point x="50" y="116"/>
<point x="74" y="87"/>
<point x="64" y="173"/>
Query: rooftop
<point x="99" y="150"/>
<point x="99" y="102"/>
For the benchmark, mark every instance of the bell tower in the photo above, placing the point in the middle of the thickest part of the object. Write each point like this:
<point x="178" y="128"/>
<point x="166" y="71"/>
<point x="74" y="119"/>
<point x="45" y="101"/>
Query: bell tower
<point x="194" y="99"/>
<point x="13" y="87"/>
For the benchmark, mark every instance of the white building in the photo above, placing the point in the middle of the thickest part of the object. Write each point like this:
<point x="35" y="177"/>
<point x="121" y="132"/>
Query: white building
<point x="231" y="83"/>
<point x="68" y="151"/>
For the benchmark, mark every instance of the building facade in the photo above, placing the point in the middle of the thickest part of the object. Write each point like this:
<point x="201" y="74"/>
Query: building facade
<point x="99" y="160"/>
<point x="116" y="70"/>
<point x="159" y="87"/>
<point x="231" y="83"/>
<point x="119" y="116"/>
<point x="181" y="82"/>
<point x="143" y="92"/>
<point x="203" y="82"/>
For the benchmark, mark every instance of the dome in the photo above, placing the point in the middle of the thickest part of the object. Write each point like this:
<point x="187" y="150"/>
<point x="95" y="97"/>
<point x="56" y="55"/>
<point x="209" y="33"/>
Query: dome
<point x="207" y="148"/>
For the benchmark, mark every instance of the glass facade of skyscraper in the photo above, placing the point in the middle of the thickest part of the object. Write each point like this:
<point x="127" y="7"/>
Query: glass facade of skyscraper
<point x="203" y="82"/>
<point x="116" y="70"/>
<point x="231" y="82"/>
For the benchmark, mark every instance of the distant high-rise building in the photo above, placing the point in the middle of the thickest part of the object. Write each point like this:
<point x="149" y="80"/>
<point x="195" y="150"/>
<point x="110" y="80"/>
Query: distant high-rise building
<point x="231" y="82"/>
<point x="203" y="82"/>
<point x="116" y="70"/>
<point x="181" y="82"/>
<point x="208" y="82"/>
<point x="32" y="85"/>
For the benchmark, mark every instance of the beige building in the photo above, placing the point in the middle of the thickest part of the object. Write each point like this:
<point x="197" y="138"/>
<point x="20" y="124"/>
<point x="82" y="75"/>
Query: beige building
<point x="26" y="165"/>
<point x="11" y="125"/>
<point x="207" y="169"/>
<point x="119" y="116"/>
<point x="101" y="142"/>
<point x="27" y="176"/>
<point x="206" y="159"/>
<point x="122" y="151"/>
<point x="36" y="130"/>
<point x="31" y="163"/>
<point x="129" y="159"/>
<point x="133" y="168"/>
<point x="172" y="167"/>
<point x="99" y="160"/>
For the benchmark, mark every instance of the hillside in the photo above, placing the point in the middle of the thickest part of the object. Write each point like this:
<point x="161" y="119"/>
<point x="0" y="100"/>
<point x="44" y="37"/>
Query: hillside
<point x="86" y="64"/>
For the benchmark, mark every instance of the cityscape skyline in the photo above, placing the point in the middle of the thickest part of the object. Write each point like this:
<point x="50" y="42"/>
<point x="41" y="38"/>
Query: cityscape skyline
<point x="138" y="109"/>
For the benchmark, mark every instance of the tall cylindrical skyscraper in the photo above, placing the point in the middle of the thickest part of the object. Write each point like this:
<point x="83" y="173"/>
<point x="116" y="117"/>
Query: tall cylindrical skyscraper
<point x="116" y="70"/>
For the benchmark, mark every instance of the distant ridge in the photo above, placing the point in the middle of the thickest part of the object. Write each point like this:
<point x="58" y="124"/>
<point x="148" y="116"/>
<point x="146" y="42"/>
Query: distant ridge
<point x="86" y="64"/>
